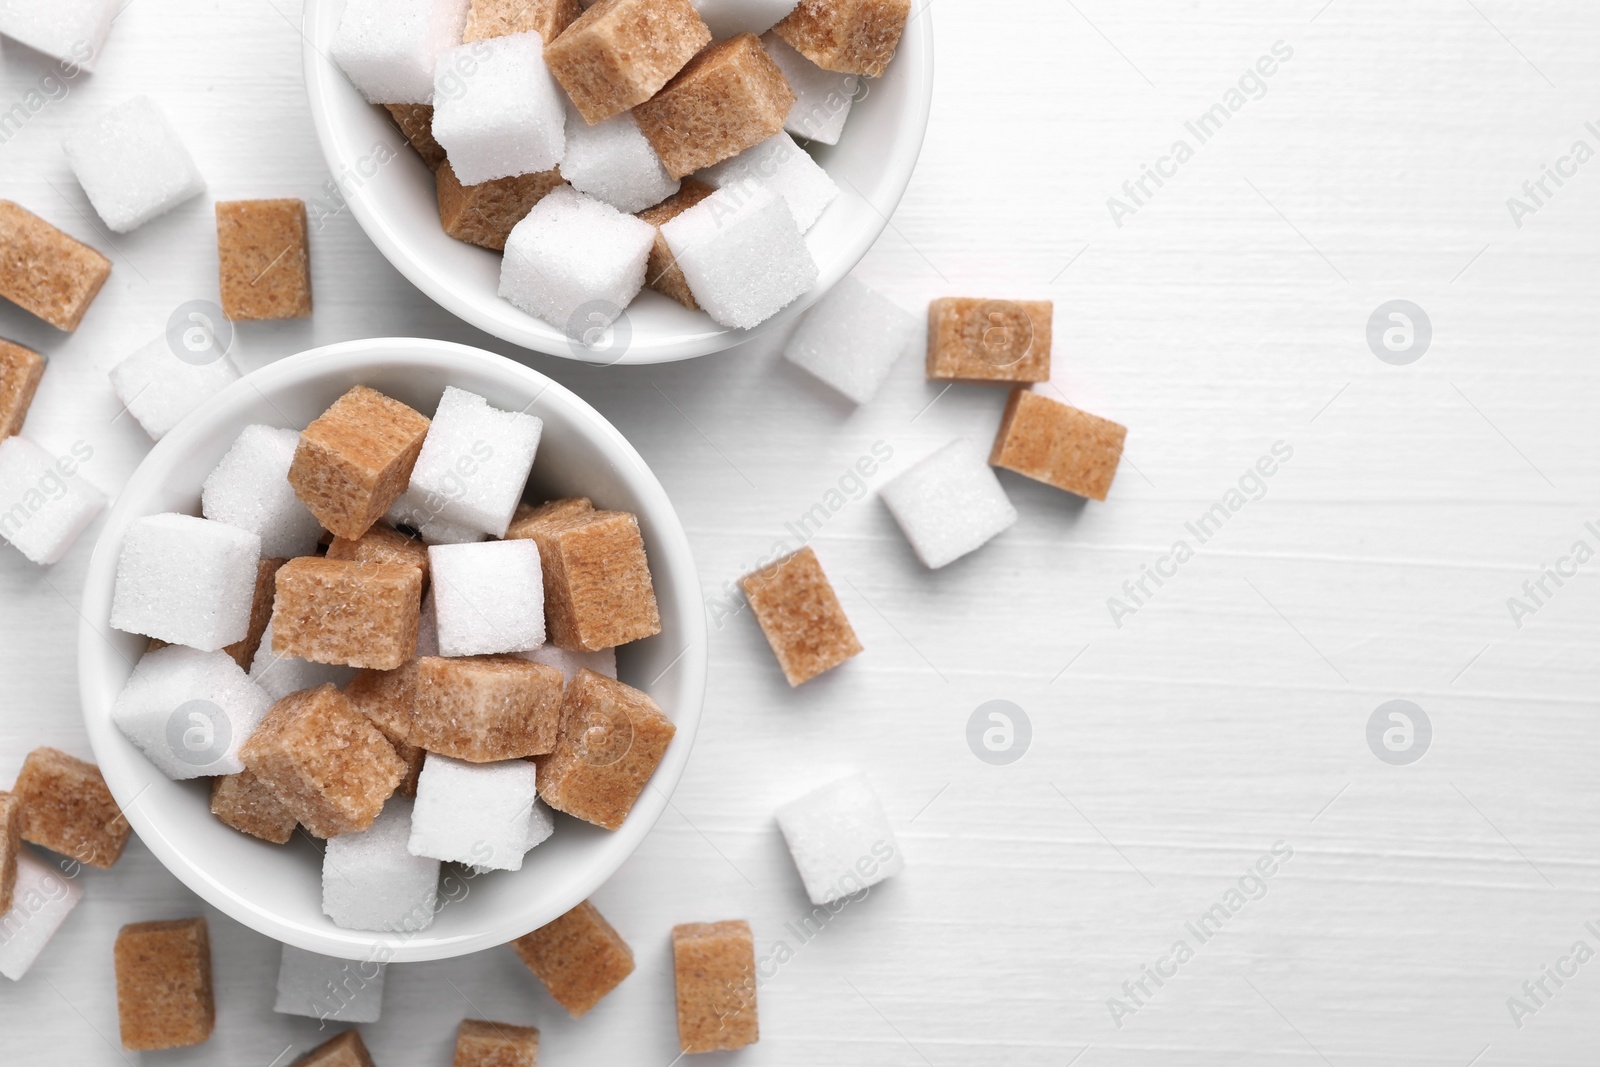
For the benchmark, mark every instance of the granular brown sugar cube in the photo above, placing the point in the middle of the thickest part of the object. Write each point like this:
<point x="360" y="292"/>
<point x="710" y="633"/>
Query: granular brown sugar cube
<point x="502" y="18"/>
<point x="244" y="652"/>
<point x="529" y="519"/>
<point x="1059" y="445"/>
<point x="20" y="373"/>
<point x="597" y="587"/>
<point x="481" y="1043"/>
<point x="476" y="708"/>
<point x="164" y="985"/>
<point x="10" y="845"/>
<point x="579" y="957"/>
<point x="355" y="460"/>
<point x="330" y="766"/>
<point x="44" y="271"/>
<point x="264" y="260"/>
<point x="346" y="1050"/>
<point x="730" y="97"/>
<point x="715" y="968"/>
<point x="346" y="613"/>
<point x="971" y="339"/>
<point x="619" y="53"/>
<point x="382" y="544"/>
<point x="416" y="122"/>
<point x="486" y="213"/>
<point x="67" y="808"/>
<point x="847" y="36"/>
<point x="799" y="612"/>
<point x="250" y="806"/>
<point x="662" y="273"/>
<point x="611" y="740"/>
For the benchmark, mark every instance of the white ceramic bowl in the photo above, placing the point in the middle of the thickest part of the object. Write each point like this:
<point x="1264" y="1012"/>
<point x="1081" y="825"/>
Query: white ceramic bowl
<point x="274" y="889"/>
<point x="395" y="204"/>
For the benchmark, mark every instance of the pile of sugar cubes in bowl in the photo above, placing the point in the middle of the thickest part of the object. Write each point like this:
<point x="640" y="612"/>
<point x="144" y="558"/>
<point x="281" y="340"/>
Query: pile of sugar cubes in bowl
<point x="638" y="143"/>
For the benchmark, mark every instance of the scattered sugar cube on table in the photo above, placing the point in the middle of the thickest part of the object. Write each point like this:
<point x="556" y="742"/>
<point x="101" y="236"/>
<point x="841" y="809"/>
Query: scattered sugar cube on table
<point x="250" y="806"/>
<point x="10" y="847"/>
<point x="481" y="1043"/>
<point x="502" y="18"/>
<point x="264" y="259"/>
<point x="612" y="161"/>
<point x="160" y="388"/>
<point x="1059" y="445"/>
<point x="67" y="808"/>
<point x="45" y="503"/>
<point x="190" y="711"/>
<point x="851" y="36"/>
<point x="345" y="1050"/>
<point x="729" y="18"/>
<point x="279" y="675"/>
<point x="486" y="213"/>
<point x="41" y="901"/>
<point x="620" y="53"/>
<point x="45" y="271"/>
<point x="480" y="814"/>
<point x="728" y="98"/>
<point x="743" y="255"/>
<point x="480" y="709"/>
<point x="785" y="168"/>
<point x="611" y="740"/>
<point x="164" y="997"/>
<point x="489" y="597"/>
<point x="851" y="339"/>
<point x="497" y="112"/>
<point x="570" y="663"/>
<point x="416" y="123"/>
<point x="186" y="581"/>
<point x="801" y="616"/>
<point x="72" y="31"/>
<point x="973" y="339"/>
<point x="949" y="504"/>
<point x="579" y="957"/>
<point x="132" y="164"/>
<point x="714" y="969"/>
<point x="823" y="98"/>
<point x="355" y="460"/>
<point x="840" y="839"/>
<point x="342" y="612"/>
<point x="250" y="489"/>
<point x="597" y="585"/>
<point x="475" y="461"/>
<point x="662" y="273"/>
<point x="371" y="882"/>
<point x="21" y="371"/>
<point x="324" y="988"/>
<point x="390" y="48"/>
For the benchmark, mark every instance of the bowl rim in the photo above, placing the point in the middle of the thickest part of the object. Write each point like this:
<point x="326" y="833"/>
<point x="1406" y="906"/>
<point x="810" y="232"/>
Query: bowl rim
<point x="675" y="558"/>
<point x="322" y="77"/>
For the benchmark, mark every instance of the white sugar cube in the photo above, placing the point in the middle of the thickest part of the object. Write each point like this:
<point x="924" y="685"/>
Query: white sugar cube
<point x="159" y="389"/>
<point x="73" y="31"/>
<point x="729" y="18"/>
<point x="278" y="676"/>
<point x="389" y="49"/>
<point x="613" y="161"/>
<point x="41" y="902"/>
<point x="576" y="262"/>
<point x="497" y="110"/>
<point x="189" y="711"/>
<point x="785" y="168"/>
<point x="250" y="489"/>
<point x="186" y="581"/>
<point x="822" y="97"/>
<point x="488" y="598"/>
<point x="949" y="504"/>
<point x="420" y="513"/>
<point x="742" y="254"/>
<point x="132" y="164"/>
<point x="324" y="988"/>
<point x="45" y="503"/>
<point x="480" y="814"/>
<point x="371" y="882"/>
<point x="570" y="663"/>
<point x="475" y="461"/>
<point x="851" y="338"/>
<point x="840" y="839"/>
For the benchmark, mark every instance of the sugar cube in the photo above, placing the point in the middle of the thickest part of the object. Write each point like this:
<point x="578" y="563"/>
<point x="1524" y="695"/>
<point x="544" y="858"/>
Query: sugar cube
<point x="250" y="489"/>
<point x="714" y="966"/>
<point x="486" y="213"/>
<point x="186" y="581"/>
<point x="159" y="388"/>
<point x="355" y="460"/>
<point x="343" y="612"/>
<point x="44" y="271"/>
<point x="612" y="161"/>
<point x="371" y="882"/>
<point x="579" y="957"/>
<point x="597" y="586"/>
<point x="416" y="123"/>
<point x="10" y="847"/>
<point x="382" y="545"/>
<point x="785" y="168"/>
<point x="497" y="111"/>
<point x="840" y="839"/>
<point x="279" y="675"/>
<point x="570" y="663"/>
<point x="346" y="1050"/>
<point x="250" y="806"/>
<point x="264" y="260"/>
<point x="164" y="995"/>
<point x="189" y="711"/>
<point x="132" y="164"/>
<point x="415" y="512"/>
<point x="41" y="901"/>
<point x="45" y="504"/>
<point x="729" y="98"/>
<point x="611" y="740"/>
<point x="728" y="18"/>
<point x="853" y="36"/>
<point x="971" y="339"/>
<point x="1059" y="445"/>
<point x="823" y="98"/>
<point x="481" y="1043"/>
<point x="479" y="709"/>
<point x="328" y="764"/>
<point x="662" y="273"/>
<point x="801" y="615"/>
<point x="73" y="31"/>
<point x="619" y="53"/>
<point x="475" y="461"/>
<point x="21" y="370"/>
<point x="481" y="814"/>
<point x="489" y="597"/>
<point x="949" y="504"/>
<point x="67" y="808"/>
<point x="851" y="338"/>
<point x="742" y="254"/>
<point x="324" y="988"/>
<point x="390" y="48"/>
<point x="501" y="18"/>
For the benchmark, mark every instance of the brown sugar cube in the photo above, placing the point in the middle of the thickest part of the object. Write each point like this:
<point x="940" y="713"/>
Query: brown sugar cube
<point x="662" y="273"/>
<point x="416" y="122"/>
<point x="46" y="272"/>
<point x="847" y="36"/>
<point x="331" y="768"/>
<point x="20" y="373"/>
<point x="597" y="587"/>
<point x="249" y="805"/>
<point x="529" y="519"/>
<point x="164" y="985"/>
<point x="67" y="808"/>
<point x="579" y="957"/>
<point x="264" y="260"/>
<point x="486" y="213"/>
<point x="1059" y="445"/>
<point x="346" y="1050"/>
<point x="502" y="18"/>
<point x="413" y="756"/>
<point x="970" y="339"/>
<point x="480" y="1043"/>
<point x="619" y="53"/>
<point x="730" y="97"/>
<point x="382" y="544"/>
<point x="798" y="611"/>
<point x="10" y="845"/>
<point x="611" y="740"/>
<point x="715" y="968"/>
<point x="355" y="460"/>
<point x="475" y="708"/>
<point x="343" y="612"/>
<point x="244" y="651"/>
